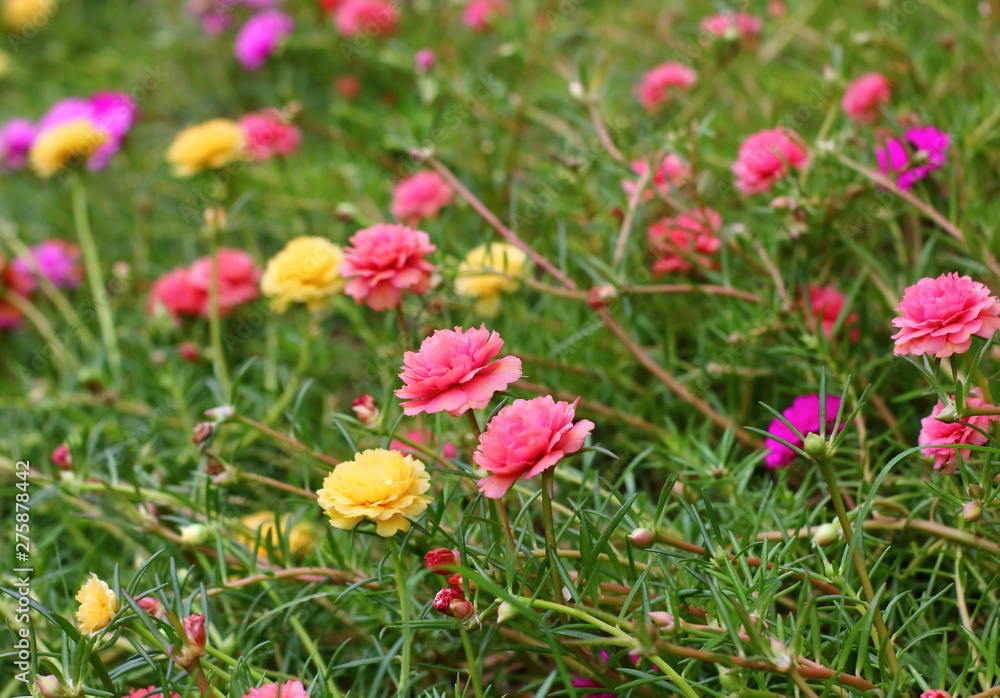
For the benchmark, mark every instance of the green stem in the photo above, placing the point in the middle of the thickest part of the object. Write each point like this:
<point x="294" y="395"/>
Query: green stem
<point x="313" y="650"/>
<point x="404" y="331"/>
<point x="826" y="466"/>
<point x="614" y="631"/>
<point x="404" y="610"/>
<point x="63" y="359"/>
<point x="98" y="290"/>
<point x="548" y="483"/>
<point x="214" y="326"/>
<point x="470" y="658"/>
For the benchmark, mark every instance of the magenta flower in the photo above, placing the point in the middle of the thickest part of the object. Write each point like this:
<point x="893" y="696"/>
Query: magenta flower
<point x="657" y="83"/>
<point x="112" y="113"/>
<point x="894" y="159"/>
<point x="940" y="316"/>
<point x="933" y="432"/>
<point x="478" y="15"/>
<point x="455" y="371"/>
<point x="804" y="416"/>
<point x="57" y="260"/>
<point x="865" y="95"/>
<point x="765" y="157"/>
<point x="385" y="260"/>
<point x="421" y="196"/>
<point x="289" y="689"/>
<point x="525" y="438"/>
<point x="16" y="137"/>
<point x="261" y="36"/>
<point x="268" y="134"/>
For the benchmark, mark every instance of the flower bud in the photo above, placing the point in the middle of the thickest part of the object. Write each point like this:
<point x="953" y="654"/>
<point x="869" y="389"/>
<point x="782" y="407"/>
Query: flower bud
<point x="194" y="628"/>
<point x="215" y="218"/>
<point x="62" y="458"/>
<point x="151" y="606"/>
<point x="976" y="491"/>
<point x="365" y="410"/>
<point x="576" y="90"/>
<point x="601" y="296"/>
<point x="201" y="431"/>
<point x="424" y="60"/>
<point x="935" y="693"/>
<point x="826" y="534"/>
<point x="455" y="583"/>
<point x="731" y="679"/>
<point x="189" y="351"/>
<point x="663" y="619"/>
<point x="948" y="414"/>
<point x="50" y="687"/>
<point x="195" y="534"/>
<point x="815" y="446"/>
<point x="506" y="612"/>
<point x="973" y="511"/>
<point x="220" y="413"/>
<point x="435" y="560"/>
<point x="642" y="537"/>
<point x="454" y="604"/>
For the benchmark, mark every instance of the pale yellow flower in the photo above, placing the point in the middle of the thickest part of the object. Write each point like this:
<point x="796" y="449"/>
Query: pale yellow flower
<point x="98" y="605"/>
<point x="62" y="145"/>
<point x="207" y="146"/>
<point x="19" y="15"/>
<point x="385" y="486"/>
<point x="301" y="537"/>
<point x="306" y="271"/>
<point x="486" y="272"/>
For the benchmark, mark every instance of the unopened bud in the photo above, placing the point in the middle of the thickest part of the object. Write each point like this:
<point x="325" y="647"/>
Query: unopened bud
<point x="151" y="606"/>
<point x="201" y="431"/>
<point x="663" y="619"/>
<point x="576" y="90"/>
<point x="194" y="629"/>
<point x="50" y="687"/>
<point x="815" y="446"/>
<point x="194" y="534"/>
<point x="506" y="612"/>
<point x="976" y="491"/>
<point x="973" y="511"/>
<point x="62" y="458"/>
<point x="642" y="537"/>
<point x="189" y="351"/>
<point x="454" y="604"/>
<point x="948" y="414"/>
<point x="826" y="534"/>
<point x="365" y="410"/>
<point x="424" y="60"/>
<point x="435" y="560"/>
<point x="455" y="583"/>
<point x="601" y="296"/>
<point x="215" y="218"/>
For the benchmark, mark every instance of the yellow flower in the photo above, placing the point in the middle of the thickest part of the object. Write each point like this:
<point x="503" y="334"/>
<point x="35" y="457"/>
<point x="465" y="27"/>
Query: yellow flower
<point x="301" y="537"/>
<point x="486" y="273"/>
<point x="306" y="271"/>
<point x="98" y="605"/>
<point x="210" y="145"/>
<point x="385" y="486"/>
<point x="61" y="145"/>
<point x="27" y="14"/>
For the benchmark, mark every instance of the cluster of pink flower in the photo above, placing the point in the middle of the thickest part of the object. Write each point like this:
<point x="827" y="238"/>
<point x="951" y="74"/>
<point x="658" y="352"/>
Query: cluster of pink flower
<point x="109" y="114"/>
<point x="55" y="260"/>
<point x="186" y="291"/>
<point x="455" y="371"/>
<point x="269" y="133"/>
<point x="288" y="689"/>
<point x="689" y="240"/>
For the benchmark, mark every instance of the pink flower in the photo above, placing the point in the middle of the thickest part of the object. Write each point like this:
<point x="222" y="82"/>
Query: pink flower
<point x="57" y="260"/>
<point x="175" y="292"/>
<point x="935" y="693"/>
<point x="765" y="157"/>
<point x="238" y="279"/>
<point x="385" y="260"/>
<point x="455" y="371"/>
<point x="732" y="25"/>
<point x="656" y="84"/>
<point x="804" y="416"/>
<point x="933" y="433"/>
<point x="424" y="60"/>
<point x="671" y="174"/>
<point x="686" y="241"/>
<point x="261" y="36"/>
<point x="940" y="316"/>
<point x="269" y="133"/>
<point x="424" y="438"/>
<point x="930" y="145"/>
<point x="864" y="96"/>
<point x="289" y="689"/>
<point x="526" y="438"/>
<point x="478" y="15"/>
<point x="421" y="196"/>
<point x="590" y="683"/>
<point x="16" y="137"/>
<point x="434" y="560"/>
<point x="62" y="457"/>
<point x="366" y="17"/>
<point x="826" y="302"/>
<point x="148" y="692"/>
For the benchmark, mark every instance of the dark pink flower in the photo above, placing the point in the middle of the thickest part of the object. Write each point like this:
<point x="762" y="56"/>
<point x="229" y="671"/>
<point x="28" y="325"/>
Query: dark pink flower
<point x="865" y="95"/>
<point x="929" y="145"/>
<point x="421" y="196"/>
<point x="261" y="36"/>
<point x="269" y="133"/>
<point x="935" y="693"/>
<point x="765" y="157"/>
<point x="686" y="241"/>
<point x="385" y="260"/>
<point x="455" y="371"/>
<point x="57" y="260"/>
<point x="729" y="24"/>
<point x="479" y="15"/>
<point x="239" y="280"/>
<point x="424" y="60"/>
<point x="804" y="416"/>
<point x="366" y="18"/>
<point x="62" y="458"/>
<point x="940" y="316"/>
<point x="289" y="689"/>
<point x="826" y="303"/>
<point x="526" y="438"/>
<point x="934" y="433"/>
<point x="657" y="84"/>
<point x="16" y="137"/>
<point x="148" y="692"/>
<point x="434" y="560"/>
<point x="672" y="173"/>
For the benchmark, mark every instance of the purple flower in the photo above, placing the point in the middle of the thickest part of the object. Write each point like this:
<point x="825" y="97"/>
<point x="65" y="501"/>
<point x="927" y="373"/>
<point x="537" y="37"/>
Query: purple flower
<point x="260" y="36"/>
<point x="590" y="683"/>
<point x="930" y="145"/>
<point x="804" y="416"/>
<point x="57" y="260"/>
<point x="110" y="112"/>
<point x="16" y="137"/>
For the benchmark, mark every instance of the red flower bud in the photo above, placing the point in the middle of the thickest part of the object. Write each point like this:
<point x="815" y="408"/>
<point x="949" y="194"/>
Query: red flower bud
<point x="62" y="458"/>
<point x="455" y="582"/>
<point x="194" y="628"/>
<point x="935" y="693"/>
<point x="437" y="558"/>
<point x="452" y="603"/>
<point x="189" y="351"/>
<point x="601" y="296"/>
<point x="365" y="410"/>
<point x="151" y="606"/>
